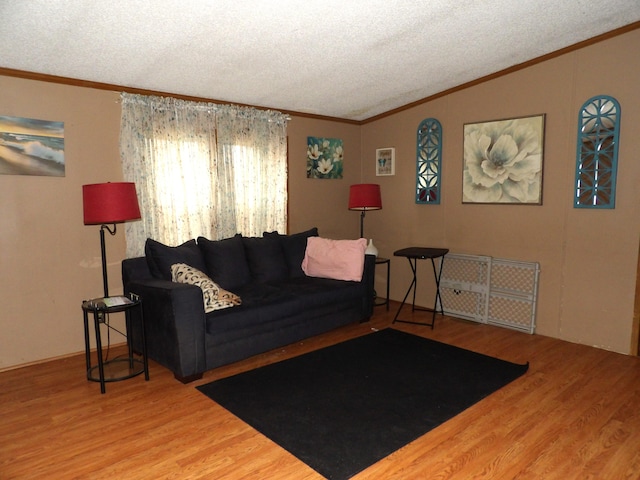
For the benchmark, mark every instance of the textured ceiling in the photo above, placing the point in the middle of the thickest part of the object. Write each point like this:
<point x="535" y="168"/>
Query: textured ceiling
<point x="350" y="59"/>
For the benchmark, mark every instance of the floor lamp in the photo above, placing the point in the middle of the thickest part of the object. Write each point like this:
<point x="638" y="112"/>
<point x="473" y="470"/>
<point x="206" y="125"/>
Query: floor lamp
<point x="363" y="197"/>
<point x="107" y="204"/>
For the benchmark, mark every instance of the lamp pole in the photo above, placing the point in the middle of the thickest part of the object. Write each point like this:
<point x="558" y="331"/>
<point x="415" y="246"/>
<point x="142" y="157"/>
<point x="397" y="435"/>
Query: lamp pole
<point x="105" y="282"/>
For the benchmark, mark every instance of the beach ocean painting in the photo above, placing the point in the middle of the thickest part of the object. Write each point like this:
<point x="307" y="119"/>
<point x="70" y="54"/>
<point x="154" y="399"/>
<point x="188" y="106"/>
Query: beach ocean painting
<point x="31" y="147"/>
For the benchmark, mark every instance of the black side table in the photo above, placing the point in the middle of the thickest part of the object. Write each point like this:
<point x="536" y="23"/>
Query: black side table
<point x="413" y="254"/>
<point x="384" y="301"/>
<point x="101" y="308"/>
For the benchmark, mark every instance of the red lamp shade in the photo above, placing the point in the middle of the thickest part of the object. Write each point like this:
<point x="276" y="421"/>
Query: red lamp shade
<point x="365" y="196"/>
<point x="110" y="203"/>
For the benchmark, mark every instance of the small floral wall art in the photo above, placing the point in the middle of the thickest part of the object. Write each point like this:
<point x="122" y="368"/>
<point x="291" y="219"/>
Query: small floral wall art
<point x="31" y="147"/>
<point x="503" y="161"/>
<point x="324" y="157"/>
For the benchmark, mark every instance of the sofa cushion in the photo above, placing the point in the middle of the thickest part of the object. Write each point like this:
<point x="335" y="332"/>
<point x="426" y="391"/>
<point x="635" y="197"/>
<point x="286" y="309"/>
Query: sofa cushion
<point x="226" y="261"/>
<point x="294" y="295"/>
<point x="214" y="297"/>
<point x="265" y="258"/>
<point x="294" y="247"/>
<point x="335" y="259"/>
<point x="268" y="307"/>
<point x="160" y="257"/>
<point x="317" y="291"/>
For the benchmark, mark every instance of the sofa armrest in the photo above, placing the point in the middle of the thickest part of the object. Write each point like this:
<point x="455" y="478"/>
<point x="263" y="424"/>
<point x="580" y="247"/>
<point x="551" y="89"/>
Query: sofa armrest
<point x="368" y="279"/>
<point x="174" y="325"/>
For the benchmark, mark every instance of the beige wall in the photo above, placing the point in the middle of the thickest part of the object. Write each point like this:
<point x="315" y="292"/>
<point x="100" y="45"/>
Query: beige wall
<point x="322" y="203"/>
<point x="587" y="257"/>
<point x="50" y="261"/>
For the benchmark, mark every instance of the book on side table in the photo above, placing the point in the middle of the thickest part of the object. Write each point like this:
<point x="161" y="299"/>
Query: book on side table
<point x="116" y="301"/>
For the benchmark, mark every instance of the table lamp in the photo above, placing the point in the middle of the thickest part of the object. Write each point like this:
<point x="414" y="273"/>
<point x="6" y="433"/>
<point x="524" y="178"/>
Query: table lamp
<point x="363" y="197"/>
<point x="107" y="204"/>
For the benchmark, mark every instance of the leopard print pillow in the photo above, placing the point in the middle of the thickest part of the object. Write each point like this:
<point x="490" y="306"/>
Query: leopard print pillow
<point x="215" y="297"/>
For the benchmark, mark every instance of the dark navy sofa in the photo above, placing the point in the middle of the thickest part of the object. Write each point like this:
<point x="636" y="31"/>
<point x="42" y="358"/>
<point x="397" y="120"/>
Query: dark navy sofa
<point x="280" y="304"/>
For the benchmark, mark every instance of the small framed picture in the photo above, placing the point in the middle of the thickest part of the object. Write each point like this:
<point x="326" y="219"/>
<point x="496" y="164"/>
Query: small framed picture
<point x="385" y="161"/>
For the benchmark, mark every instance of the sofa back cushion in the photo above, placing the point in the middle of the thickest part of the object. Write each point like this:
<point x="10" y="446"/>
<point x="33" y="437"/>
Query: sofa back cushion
<point x="265" y="258"/>
<point x="226" y="261"/>
<point x="160" y="257"/>
<point x="294" y="247"/>
<point x="335" y="259"/>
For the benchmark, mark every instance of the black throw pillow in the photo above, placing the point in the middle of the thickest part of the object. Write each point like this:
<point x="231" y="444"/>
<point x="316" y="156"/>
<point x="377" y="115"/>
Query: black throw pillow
<point x="266" y="258"/>
<point x="226" y="261"/>
<point x="160" y="257"/>
<point x="294" y="247"/>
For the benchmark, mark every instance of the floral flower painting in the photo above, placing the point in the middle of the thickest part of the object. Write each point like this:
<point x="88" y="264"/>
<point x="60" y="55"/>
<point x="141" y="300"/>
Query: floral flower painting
<point x="503" y="161"/>
<point x="324" y="157"/>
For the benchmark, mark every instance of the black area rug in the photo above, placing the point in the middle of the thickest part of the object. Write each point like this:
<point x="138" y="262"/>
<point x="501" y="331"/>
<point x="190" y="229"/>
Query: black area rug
<point x="343" y="408"/>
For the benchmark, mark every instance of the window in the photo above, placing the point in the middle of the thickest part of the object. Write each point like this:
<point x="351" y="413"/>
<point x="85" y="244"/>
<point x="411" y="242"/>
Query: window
<point x="180" y="186"/>
<point x="597" y="153"/>
<point x="202" y="169"/>
<point x="428" y="162"/>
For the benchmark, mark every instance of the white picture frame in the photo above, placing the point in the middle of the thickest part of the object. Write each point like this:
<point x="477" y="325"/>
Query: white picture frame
<point x="385" y="161"/>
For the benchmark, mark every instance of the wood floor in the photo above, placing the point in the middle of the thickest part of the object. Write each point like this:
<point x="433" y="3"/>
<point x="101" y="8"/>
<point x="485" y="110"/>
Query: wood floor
<point x="574" y="415"/>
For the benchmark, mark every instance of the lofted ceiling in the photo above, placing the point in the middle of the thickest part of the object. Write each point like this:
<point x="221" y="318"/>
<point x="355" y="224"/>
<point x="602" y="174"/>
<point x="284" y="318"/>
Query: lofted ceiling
<point x="348" y="59"/>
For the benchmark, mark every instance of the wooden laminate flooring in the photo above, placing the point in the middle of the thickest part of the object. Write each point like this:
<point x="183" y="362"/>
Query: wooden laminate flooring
<point x="574" y="415"/>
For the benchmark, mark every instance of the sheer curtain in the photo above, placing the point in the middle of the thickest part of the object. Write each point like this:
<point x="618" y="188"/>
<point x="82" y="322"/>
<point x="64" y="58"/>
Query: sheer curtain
<point x="202" y="169"/>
